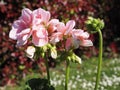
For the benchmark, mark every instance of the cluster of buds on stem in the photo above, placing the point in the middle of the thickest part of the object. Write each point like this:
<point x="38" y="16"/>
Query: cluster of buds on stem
<point x="94" y="25"/>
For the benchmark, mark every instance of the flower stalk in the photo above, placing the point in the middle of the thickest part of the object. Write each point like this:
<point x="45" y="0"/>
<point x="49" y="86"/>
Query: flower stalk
<point x="96" y="25"/>
<point x="99" y="60"/>
<point x="47" y="69"/>
<point x="67" y="74"/>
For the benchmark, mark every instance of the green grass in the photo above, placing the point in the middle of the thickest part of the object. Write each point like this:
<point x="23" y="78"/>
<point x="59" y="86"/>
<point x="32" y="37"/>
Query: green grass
<point x="82" y="77"/>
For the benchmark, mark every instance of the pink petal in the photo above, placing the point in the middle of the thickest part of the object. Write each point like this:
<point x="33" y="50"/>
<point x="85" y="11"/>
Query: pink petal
<point x="42" y="33"/>
<point x="79" y="34"/>
<point x="20" y="25"/>
<point x="39" y="41"/>
<point x="76" y="33"/>
<point x="85" y="35"/>
<point x="21" y="42"/>
<point x="45" y="15"/>
<point x="22" y="39"/>
<point x="68" y="43"/>
<point x="76" y="43"/>
<point x="61" y="27"/>
<point x="24" y="31"/>
<point x="23" y="36"/>
<point x="56" y="37"/>
<point x="13" y="33"/>
<point x="54" y="22"/>
<point x="40" y="37"/>
<point x="52" y="25"/>
<point x="26" y="15"/>
<point x="86" y="43"/>
<point x="69" y="26"/>
<point x="40" y="15"/>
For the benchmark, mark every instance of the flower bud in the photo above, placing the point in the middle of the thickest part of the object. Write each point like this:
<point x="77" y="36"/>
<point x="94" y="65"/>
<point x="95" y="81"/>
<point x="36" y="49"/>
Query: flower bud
<point x="53" y="53"/>
<point x="30" y="51"/>
<point x="94" y="25"/>
<point x="76" y="59"/>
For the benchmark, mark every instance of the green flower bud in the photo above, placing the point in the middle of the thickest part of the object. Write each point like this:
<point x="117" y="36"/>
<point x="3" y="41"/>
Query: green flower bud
<point x="94" y="25"/>
<point x="71" y="56"/>
<point x="76" y="59"/>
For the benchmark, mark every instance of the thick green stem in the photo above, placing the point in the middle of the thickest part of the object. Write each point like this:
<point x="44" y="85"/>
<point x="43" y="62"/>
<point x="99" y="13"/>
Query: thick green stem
<point x="100" y="60"/>
<point x="67" y="74"/>
<point x="47" y="68"/>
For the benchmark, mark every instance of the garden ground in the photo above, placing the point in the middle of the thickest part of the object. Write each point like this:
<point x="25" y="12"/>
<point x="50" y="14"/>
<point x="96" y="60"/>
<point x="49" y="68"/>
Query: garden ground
<point x="82" y="77"/>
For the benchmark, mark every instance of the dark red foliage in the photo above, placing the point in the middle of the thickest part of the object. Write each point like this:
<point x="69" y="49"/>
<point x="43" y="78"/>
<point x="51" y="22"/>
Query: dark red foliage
<point x="13" y="62"/>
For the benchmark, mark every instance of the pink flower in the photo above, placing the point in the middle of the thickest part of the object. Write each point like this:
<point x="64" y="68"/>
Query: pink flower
<point x="74" y="37"/>
<point x="82" y="37"/>
<point x="37" y="24"/>
<point x="31" y="24"/>
<point x="62" y="31"/>
<point x="78" y="38"/>
<point x="21" y="28"/>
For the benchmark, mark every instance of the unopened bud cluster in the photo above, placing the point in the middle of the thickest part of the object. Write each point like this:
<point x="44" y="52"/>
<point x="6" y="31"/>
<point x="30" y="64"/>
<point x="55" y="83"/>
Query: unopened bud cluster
<point x="94" y="25"/>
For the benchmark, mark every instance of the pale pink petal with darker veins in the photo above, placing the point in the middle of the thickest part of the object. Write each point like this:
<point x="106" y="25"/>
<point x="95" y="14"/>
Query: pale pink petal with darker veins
<point x="41" y="33"/>
<point x="61" y="27"/>
<point x="81" y="38"/>
<point x="45" y="15"/>
<point x="17" y="27"/>
<point x="56" y="37"/>
<point x="86" y="43"/>
<point x="21" y="42"/>
<point x="69" y="26"/>
<point x="21" y="30"/>
<point x="68" y="43"/>
<point x="26" y="15"/>
<point x="40" y="16"/>
<point x="39" y="41"/>
<point x="52" y="25"/>
<point x="25" y="31"/>
<point x="79" y="34"/>
<point x="23" y="37"/>
<point x="40" y="37"/>
<point x="76" y="43"/>
<point x="12" y="33"/>
<point x="85" y="35"/>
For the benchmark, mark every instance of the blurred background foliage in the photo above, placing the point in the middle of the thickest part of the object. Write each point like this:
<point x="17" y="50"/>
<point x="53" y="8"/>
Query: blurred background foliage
<point x="14" y="64"/>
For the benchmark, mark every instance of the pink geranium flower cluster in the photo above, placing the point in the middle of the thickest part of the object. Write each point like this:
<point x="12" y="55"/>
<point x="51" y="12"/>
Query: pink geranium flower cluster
<point x="39" y="26"/>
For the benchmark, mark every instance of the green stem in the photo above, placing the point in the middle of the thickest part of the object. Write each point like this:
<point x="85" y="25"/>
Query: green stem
<point x="67" y="74"/>
<point x="100" y="60"/>
<point x="47" y="68"/>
